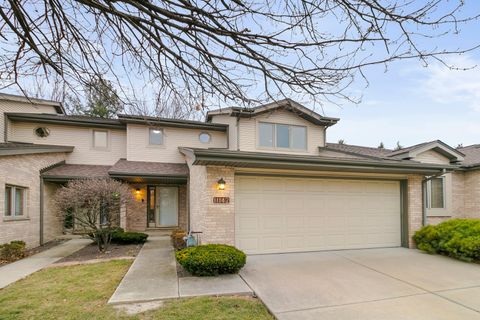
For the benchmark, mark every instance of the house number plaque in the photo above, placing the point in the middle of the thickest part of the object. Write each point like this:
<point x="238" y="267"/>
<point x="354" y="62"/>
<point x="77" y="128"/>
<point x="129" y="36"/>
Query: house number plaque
<point x="221" y="199"/>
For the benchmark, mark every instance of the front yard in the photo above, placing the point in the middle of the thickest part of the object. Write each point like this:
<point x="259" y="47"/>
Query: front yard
<point x="82" y="291"/>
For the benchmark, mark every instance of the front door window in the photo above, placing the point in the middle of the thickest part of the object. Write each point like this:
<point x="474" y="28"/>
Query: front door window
<point x="164" y="201"/>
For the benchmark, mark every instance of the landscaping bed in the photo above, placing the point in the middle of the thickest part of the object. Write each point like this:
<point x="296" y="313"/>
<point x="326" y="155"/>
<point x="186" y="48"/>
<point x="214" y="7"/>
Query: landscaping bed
<point x="32" y="251"/>
<point x="90" y="252"/>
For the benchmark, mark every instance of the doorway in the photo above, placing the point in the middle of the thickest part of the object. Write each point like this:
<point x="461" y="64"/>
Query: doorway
<point x="162" y="206"/>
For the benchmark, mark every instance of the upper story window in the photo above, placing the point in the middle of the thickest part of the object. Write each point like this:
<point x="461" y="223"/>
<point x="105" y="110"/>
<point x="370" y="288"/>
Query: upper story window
<point x="15" y="201"/>
<point x="283" y="136"/>
<point x="436" y="193"/>
<point x="100" y="139"/>
<point x="204" y="137"/>
<point x="155" y="136"/>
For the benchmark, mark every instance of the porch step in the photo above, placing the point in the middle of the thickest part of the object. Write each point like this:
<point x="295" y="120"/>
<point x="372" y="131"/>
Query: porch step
<point x="154" y="232"/>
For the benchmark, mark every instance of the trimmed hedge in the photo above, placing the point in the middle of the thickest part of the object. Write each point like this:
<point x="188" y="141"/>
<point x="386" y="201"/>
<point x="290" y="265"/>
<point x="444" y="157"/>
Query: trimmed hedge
<point x="121" y="237"/>
<point x="457" y="238"/>
<point x="12" y="251"/>
<point x="211" y="259"/>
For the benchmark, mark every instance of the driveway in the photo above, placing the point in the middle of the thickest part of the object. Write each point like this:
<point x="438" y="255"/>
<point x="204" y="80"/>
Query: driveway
<point x="393" y="283"/>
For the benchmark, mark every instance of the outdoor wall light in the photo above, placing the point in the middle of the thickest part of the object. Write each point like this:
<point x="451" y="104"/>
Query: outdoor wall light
<point x="221" y="184"/>
<point x="137" y="191"/>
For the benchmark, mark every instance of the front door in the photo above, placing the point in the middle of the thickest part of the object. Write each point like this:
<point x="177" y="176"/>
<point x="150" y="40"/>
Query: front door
<point x="166" y="206"/>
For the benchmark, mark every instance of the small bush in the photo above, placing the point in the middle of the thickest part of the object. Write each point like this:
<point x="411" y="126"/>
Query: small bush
<point x="458" y="238"/>
<point x="12" y="251"/>
<point x="121" y="237"/>
<point x="177" y="238"/>
<point x="211" y="259"/>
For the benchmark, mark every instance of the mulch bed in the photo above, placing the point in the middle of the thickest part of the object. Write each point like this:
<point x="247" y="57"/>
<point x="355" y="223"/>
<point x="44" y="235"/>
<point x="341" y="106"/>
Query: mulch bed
<point x="31" y="252"/>
<point x="91" y="252"/>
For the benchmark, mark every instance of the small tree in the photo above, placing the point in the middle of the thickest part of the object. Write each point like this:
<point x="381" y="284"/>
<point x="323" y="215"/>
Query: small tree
<point x="381" y="146"/>
<point x="96" y="205"/>
<point x="341" y="141"/>
<point x="399" y="146"/>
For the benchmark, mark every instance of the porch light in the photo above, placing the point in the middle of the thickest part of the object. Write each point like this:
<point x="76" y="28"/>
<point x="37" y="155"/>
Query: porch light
<point x="137" y="191"/>
<point x="221" y="184"/>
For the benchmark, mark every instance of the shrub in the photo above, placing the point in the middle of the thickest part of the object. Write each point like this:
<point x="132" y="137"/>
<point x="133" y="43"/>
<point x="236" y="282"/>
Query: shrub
<point x="177" y="238"/>
<point x="121" y="237"/>
<point x="211" y="259"/>
<point x="12" y="251"/>
<point x="458" y="238"/>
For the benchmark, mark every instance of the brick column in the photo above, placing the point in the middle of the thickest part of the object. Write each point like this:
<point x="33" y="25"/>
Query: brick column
<point x="415" y="206"/>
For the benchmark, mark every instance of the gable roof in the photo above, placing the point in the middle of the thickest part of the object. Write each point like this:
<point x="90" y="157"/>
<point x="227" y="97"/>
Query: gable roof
<point x="285" y="104"/>
<point x="472" y="155"/>
<point x="444" y="149"/>
<point x="17" y="98"/>
<point x="358" y="150"/>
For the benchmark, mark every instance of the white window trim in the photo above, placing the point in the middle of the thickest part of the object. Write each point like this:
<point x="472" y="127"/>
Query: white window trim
<point x="12" y="216"/>
<point x="149" y="144"/>
<point x="93" y="140"/>
<point x="429" y="194"/>
<point x="275" y="137"/>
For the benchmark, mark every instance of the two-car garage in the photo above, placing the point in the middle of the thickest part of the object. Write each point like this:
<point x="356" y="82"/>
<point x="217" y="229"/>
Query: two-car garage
<point x="276" y="214"/>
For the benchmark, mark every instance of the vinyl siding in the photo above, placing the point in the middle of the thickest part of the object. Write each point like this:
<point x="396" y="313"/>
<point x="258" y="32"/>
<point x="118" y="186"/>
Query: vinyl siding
<point x="20" y="107"/>
<point x="139" y="149"/>
<point x="431" y="156"/>
<point x="248" y="135"/>
<point x="232" y="129"/>
<point x="79" y="137"/>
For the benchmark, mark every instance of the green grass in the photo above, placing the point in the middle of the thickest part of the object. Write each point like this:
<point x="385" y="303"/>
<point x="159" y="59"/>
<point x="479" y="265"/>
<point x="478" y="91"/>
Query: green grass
<point x="81" y="292"/>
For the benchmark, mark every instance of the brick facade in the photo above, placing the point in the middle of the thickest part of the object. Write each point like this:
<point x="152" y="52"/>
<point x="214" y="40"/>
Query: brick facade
<point x="24" y="171"/>
<point x="415" y="206"/>
<point x="136" y="214"/>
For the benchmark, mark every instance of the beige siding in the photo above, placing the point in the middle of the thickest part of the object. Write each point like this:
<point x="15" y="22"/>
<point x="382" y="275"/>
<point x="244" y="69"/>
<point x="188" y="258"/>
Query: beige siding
<point x="431" y="156"/>
<point x="232" y="128"/>
<point x="24" y="171"/>
<point x="20" y="107"/>
<point x="79" y="137"/>
<point x="248" y="135"/>
<point x="138" y="148"/>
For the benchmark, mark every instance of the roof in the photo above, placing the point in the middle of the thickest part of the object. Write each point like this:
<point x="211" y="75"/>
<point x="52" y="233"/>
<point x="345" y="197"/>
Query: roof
<point x="76" y="120"/>
<point x="358" y="150"/>
<point x="224" y="157"/>
<point x="143" y="168"/>
<point x="168" y="122"/>
<point x="19" y="148"/>
<point x="285" y="104"/>
<point x="472" y="155"/>
<point x="72" y="171"/>
<point x="17" y="98"/>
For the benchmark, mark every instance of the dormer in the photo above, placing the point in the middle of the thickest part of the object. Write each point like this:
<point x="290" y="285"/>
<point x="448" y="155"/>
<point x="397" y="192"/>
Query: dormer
<point x="280" y="127"/>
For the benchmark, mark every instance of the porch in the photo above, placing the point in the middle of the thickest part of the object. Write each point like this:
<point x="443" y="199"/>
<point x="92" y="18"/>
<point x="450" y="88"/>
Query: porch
<point x="160" y="191"/>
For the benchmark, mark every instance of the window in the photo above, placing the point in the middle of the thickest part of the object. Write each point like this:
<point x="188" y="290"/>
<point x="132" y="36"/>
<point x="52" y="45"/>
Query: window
<point x="42" y="132"/>
<point x="204" y="137"/>
<point x="100" y="139"/>
<point x="14" y="201"/>
<point x="436" y="193"/>
<point x="155" y="136"/>
<point x="285" y="136"/>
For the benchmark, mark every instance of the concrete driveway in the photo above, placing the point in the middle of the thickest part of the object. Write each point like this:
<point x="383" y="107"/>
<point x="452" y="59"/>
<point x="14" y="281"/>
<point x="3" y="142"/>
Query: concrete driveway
<point x="393" y="284"/>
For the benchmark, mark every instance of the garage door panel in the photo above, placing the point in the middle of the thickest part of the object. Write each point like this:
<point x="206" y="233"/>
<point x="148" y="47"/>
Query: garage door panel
<point x="297" y="214"/>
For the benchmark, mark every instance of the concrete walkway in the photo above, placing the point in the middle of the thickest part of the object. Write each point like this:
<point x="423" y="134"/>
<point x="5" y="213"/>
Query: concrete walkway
<point x="20" y="269"/>
<point x="153" y="276"/>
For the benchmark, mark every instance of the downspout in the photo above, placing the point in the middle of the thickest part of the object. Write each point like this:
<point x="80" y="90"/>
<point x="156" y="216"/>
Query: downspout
<point x="41" y="209"/>
<point x="238" y="132"/>
<point x="424" y="194"/>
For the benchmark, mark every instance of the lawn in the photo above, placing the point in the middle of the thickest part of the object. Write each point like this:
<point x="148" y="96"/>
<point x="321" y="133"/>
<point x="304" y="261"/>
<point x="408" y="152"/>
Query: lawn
<point x="82" y="291"/>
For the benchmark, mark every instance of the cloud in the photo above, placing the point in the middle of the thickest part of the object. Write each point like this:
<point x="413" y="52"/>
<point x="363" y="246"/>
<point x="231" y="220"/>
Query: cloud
<point x="455" y="87"/>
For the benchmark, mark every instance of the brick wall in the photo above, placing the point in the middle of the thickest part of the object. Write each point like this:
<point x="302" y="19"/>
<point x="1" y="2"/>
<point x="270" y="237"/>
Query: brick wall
<point x="24" y="171"/>
<point x="472" y="194"/>
<point x="415" y="206"/>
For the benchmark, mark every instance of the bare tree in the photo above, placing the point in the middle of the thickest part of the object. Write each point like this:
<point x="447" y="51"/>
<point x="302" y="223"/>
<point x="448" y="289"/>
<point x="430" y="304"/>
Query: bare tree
<point x="238" y="51"/>
<point x="95" y="205"/>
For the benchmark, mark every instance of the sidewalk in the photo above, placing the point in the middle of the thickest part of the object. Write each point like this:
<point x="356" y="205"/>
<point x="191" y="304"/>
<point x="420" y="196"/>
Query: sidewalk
<point x="153" y="276"/>
<point x="20" y="269"/>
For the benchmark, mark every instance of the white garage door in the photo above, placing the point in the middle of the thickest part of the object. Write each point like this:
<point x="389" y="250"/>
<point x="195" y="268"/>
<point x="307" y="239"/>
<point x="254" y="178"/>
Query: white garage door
<point x="274" y="214"/>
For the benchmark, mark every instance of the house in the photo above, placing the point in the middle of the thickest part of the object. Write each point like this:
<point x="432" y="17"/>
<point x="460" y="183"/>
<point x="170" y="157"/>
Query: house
<point x="262" y="179"/>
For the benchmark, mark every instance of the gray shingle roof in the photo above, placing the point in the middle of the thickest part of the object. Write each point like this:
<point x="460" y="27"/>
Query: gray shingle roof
<point x="472" y="155"/>
<point x="360" y="150"/>
<point x="141" y="168"/>
<point x="77" y="171"/>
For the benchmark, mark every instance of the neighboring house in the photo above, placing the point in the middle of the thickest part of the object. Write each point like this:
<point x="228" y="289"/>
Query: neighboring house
<point x="263" y="179"/>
